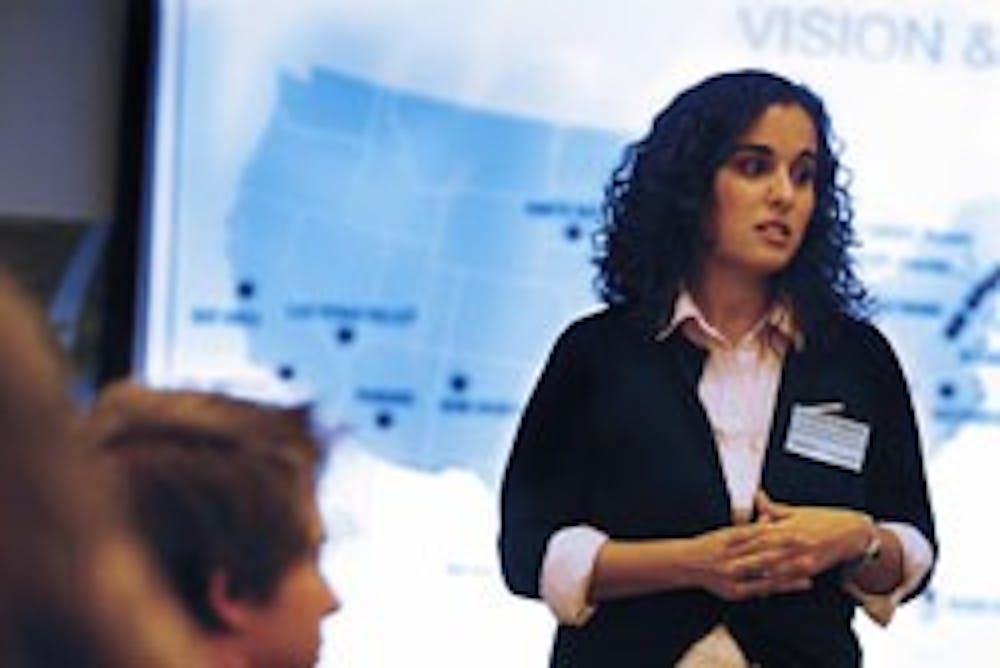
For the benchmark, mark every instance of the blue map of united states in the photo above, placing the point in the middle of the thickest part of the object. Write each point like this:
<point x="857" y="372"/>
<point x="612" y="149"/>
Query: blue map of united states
<point x="413" y="259"/>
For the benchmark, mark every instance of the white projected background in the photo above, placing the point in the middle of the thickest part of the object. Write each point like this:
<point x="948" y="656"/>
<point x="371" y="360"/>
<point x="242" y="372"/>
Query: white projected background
<point x="386" y="207"/>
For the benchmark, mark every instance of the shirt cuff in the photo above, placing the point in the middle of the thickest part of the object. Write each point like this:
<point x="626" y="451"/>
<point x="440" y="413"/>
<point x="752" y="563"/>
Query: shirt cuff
<point x="918" y="557"/>
<point x="567" y="567"/>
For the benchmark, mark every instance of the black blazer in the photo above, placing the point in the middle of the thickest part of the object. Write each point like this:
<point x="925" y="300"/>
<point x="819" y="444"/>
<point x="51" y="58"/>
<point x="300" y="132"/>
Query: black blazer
<point x="614" y="436"/>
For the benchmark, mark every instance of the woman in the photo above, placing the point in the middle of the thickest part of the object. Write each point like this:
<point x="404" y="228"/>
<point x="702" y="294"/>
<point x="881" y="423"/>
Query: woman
<point x="720" y="466"/>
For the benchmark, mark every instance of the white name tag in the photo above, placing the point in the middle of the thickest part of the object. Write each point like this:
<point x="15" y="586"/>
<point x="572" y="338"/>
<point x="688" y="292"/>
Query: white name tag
<point x="832" y="439"/>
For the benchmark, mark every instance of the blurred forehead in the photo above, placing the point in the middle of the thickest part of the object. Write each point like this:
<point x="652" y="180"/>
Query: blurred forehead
<point x="787" y="127"/>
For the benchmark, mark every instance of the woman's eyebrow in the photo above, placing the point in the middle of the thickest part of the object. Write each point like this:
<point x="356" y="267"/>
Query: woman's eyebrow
<point x="767" y="151"/>
<point x="761" y="149"/>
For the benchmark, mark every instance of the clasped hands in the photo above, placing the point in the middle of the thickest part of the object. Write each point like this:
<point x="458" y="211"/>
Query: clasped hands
<point x="780" y="552"/>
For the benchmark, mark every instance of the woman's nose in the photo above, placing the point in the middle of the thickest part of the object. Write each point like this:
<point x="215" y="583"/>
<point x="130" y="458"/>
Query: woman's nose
<point x="782" y="189"/>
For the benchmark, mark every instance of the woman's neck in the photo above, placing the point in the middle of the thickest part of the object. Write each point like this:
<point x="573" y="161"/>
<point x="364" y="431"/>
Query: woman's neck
<point x="731" y="302"/>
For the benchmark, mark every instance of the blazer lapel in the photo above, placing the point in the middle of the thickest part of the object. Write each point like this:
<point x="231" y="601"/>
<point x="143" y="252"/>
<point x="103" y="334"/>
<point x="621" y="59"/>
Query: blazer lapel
<point x="797" y="375"/>
<point x="689" y="361"/>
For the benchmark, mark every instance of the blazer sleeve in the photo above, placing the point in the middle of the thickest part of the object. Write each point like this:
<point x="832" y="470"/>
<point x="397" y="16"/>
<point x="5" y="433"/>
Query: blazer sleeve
<point x="544" y="483"/>
<point x="895" y="483"/>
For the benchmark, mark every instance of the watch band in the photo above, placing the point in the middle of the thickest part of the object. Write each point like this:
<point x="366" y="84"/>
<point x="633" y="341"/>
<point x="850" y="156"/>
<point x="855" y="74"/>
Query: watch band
<point x="872" y="551"/>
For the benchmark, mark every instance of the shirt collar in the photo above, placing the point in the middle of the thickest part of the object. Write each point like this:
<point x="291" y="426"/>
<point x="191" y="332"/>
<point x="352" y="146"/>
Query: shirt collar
<point x="779" y="321"/>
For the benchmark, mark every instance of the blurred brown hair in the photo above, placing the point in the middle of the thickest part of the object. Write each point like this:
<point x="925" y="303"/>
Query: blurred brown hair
<point x="213" y="484"/>
<point x="74" y="588"/>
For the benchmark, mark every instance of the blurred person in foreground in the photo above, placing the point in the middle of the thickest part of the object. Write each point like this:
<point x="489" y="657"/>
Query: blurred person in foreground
<point x="75" y="588"/>
<point x="222" y="490"/>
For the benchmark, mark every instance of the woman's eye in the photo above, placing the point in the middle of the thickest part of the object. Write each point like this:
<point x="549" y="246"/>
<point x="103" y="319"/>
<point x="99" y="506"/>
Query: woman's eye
<point x="752" y="166"/>
<point x="804" y="175"/>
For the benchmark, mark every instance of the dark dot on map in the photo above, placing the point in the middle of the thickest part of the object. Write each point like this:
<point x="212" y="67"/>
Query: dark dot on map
<point x="286" y="372"/>
<point x="955" y="327"/>
<point x="245" y="289"/>
<point x="459" y="382"/>
<point x="573" y="232"/>
<point x="946" y="390"/>
<point x="345" y="335"/>
<point x="383" y="420"/>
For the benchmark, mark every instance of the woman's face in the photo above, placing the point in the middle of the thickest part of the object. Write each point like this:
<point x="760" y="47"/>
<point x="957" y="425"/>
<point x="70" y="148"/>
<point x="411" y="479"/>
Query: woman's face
<point x="764" y="195"/>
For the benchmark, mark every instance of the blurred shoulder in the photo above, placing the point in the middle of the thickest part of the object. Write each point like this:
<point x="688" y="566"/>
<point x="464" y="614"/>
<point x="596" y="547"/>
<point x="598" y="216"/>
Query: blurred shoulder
<point x="598" y="328"/>
<point x="861" y="344"/>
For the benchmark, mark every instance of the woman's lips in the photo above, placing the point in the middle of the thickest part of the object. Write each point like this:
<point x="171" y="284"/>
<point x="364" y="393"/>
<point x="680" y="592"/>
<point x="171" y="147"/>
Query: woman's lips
<point x="774" y="231"/>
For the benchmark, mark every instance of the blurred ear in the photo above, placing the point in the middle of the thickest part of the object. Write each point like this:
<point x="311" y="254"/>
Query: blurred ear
<point x="233" y="612"/>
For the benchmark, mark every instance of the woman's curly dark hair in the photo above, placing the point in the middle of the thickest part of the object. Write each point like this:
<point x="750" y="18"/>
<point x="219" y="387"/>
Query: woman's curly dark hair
<point x="651" y="236"/>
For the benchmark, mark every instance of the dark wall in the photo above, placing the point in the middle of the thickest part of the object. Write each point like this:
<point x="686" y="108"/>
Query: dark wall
<point x="63" y="83"/>
<point x="60" y="91"/>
